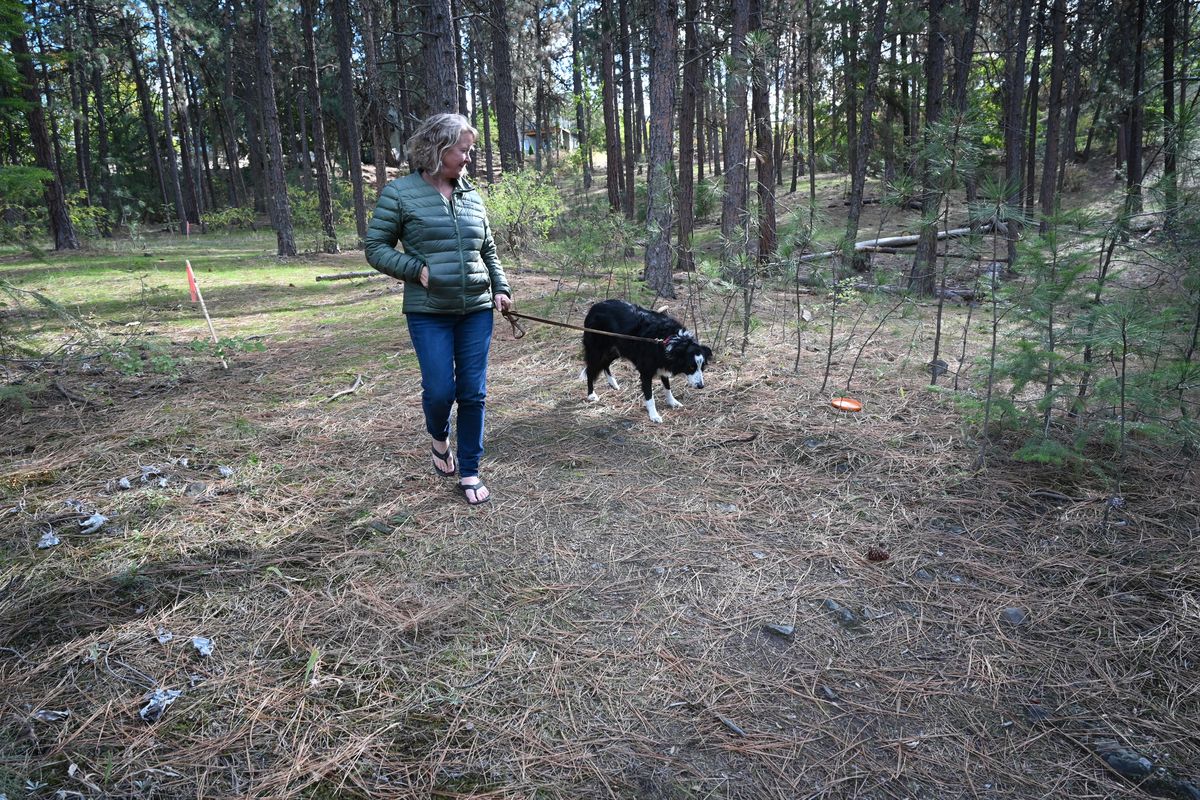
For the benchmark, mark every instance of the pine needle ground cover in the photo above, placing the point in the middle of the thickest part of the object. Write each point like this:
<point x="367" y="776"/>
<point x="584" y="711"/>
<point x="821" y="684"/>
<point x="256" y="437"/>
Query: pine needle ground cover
<point x="760" y="598"/>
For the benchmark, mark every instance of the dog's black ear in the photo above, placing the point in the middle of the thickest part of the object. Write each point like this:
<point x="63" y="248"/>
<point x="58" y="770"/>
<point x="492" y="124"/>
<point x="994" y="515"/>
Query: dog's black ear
<point x="708" y="354"/>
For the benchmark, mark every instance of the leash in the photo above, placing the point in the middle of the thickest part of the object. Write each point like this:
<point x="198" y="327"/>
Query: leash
<point x="518" y="331"/>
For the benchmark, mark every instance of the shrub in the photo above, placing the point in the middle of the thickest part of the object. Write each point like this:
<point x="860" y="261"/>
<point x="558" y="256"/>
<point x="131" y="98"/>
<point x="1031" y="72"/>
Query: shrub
<point x="523" y="208"/>
<point x="236" y="218"/>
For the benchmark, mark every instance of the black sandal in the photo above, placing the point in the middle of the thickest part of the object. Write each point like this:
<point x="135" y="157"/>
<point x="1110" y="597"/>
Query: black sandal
<point x="475" y="487"/>
<point x="445" y="458"/>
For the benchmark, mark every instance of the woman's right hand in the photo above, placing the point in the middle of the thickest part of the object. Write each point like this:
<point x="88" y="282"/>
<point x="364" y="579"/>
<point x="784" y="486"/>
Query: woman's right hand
<point x="424" y="277"/>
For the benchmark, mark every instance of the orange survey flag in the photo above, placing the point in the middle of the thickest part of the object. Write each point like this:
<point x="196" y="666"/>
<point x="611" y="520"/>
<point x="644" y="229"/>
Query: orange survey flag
<point x="192" y="282"/>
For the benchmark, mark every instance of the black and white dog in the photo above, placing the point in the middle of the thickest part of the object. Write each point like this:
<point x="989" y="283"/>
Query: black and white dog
<point x="672" y="350"/>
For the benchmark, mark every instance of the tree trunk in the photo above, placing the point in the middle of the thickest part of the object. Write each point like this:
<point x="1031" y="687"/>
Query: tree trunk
<point x="188" y="125"/>
<point x="439" y="57"/>
<point x="608" y="89"/>
<point x="1016" y="26"/>
<point x="1170" y="159"/>
<point x="281" y="209"/>
<point x="506" y="104"/>
<point x="324" y="195"/>
<point x="581" y="132"/>
<point x="764" y="149"/>
<point x="687" y="133"/>
<point x="375" y="117"/>
<point x="1133" y="174"/>
<point x="1058" y="34"/>
<point x="858" y="178"/>
<point x="149" y="123"/>
<point x="168" y="134"/>
<point x="237" y="181"/>
<point x="734" y="209"/>
<point x="922" y="277"/>
<point x="101" y="112"/>
<point x="61" y="229"/>
<point x="639" y="108"/>
<point x="344" y="37"/>
<point x="661" y="157"/>
<point x="628" y="196"/>
<point x="1032" y="99"/>
<point x="79" y="120"/>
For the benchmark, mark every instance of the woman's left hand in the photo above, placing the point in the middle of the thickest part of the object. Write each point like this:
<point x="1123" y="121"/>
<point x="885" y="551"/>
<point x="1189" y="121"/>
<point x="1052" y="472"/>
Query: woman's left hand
<point x="503" y="302"/>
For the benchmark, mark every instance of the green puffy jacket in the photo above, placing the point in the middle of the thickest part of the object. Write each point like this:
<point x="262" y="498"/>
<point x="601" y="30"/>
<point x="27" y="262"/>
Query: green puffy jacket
<point x="452" y="237"/>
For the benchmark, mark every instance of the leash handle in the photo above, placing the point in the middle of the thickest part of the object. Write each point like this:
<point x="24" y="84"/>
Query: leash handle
<point x="517" y="331"/>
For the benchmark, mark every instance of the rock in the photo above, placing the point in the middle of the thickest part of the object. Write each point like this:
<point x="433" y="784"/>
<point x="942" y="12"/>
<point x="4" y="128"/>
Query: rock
<point x="758" y="555"/>
<point x="844" y="616"/>
<point x="660" y="571"/>
<point x="195" y="489"/>
<point x="1134" y="767"/>
<point x="1015" y="616"/>
<point x="379" y="526"/>
<point x="124" y="484"/>
<point x="1037" y="713"/>
<point x="728" y="508"/>
<point x="923" y="575"/>
<point x="225" y="472"/>
<point x="779" y="629"/>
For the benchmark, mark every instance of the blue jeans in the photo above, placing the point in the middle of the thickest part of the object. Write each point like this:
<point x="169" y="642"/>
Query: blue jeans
<point x="452" y="350"/>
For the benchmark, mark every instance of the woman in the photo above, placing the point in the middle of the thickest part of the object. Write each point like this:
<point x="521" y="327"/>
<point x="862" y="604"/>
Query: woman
<point x="452" y="281"/>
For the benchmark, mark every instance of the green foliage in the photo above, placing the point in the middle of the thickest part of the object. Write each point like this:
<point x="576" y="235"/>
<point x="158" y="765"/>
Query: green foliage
<point x="147" y="355"/>
<point x="708" y="196"/>
<point x="224" y="346"/>
<point x="22" y="208"/>
<point x="236" y="218"/>
<point x="88" y="220"/>
<point x="523" y="208"/>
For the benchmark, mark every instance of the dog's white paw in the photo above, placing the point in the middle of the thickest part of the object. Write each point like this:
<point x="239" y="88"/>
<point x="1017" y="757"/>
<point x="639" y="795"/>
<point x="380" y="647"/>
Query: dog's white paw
<point x="591" y="398"/>
<point x="656" y="419"/>
<point x="672" y="402"/>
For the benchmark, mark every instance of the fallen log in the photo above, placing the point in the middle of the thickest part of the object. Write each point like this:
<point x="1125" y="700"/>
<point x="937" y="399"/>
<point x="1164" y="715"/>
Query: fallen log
<point x="895" y="241"/>
<point x="342" y="276"/>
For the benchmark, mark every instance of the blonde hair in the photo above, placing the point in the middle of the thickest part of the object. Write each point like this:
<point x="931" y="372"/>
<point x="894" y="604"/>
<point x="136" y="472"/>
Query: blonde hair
<point x="434" y="137"/>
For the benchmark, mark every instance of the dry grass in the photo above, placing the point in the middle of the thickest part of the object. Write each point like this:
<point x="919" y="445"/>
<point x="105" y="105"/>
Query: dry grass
<point x="598" y="631"/>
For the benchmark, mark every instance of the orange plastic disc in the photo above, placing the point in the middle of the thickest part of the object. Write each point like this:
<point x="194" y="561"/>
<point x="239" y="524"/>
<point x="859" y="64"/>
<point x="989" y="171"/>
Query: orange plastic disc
<point x="846" y="404"/>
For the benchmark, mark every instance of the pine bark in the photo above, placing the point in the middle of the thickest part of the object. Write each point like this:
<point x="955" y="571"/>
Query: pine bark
<point x="168" y="131"/>
<point x="764" y="149"/>
<point x="344" y="38"/>
<point x="659" y="205"/>
<point x="862" y="142"/>
<point x="147" y="107"/>
<point x="440" y="57"/>
<point x="506" y="104"/>
<point x="687" y="133"/>
<point x="581" y="131"/>
<point x="320" y="157"/>
<point x="734" y="209"/>
<point x="61" y="229"/>
<point x="921" y="277"/>
<point x="608" y="89"/>
<point x="281" y="210"/>
<point x="1058" y="34"/>
<point x="628" y="195"/>
<point x="376" y="119"/>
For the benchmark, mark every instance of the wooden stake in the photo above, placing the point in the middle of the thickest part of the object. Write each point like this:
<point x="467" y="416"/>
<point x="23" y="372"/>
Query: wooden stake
<point x="207" y="318"/>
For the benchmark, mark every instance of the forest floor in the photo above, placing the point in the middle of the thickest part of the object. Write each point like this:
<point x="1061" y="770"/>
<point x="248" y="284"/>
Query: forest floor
<point x="761" y="597"/>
